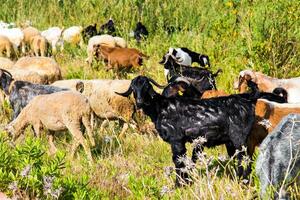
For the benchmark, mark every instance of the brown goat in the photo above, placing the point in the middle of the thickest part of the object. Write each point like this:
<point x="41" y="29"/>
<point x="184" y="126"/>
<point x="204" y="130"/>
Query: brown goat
<point x="118" y="58"/>
<point x="268" y="115"/>
<point x="213" y="93"/>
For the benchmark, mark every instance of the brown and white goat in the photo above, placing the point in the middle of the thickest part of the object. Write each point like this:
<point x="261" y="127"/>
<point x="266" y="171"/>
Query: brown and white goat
<point x="118" y="58"/>
<point x="268" y="84"/>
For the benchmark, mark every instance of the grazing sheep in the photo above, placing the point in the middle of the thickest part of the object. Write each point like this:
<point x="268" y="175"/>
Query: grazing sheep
<point x="120" y="42"/>
<point x="105" y="103"/>
<point x="28" y="32"/>
<point x="6" y="46"/>
<point x="140" y="32"/>
<point x="89" y="32"/>
<point x="39" y="45"/>
<point x="106" y="40"/>
<point x="44" y="66"/>
<point x="53" y="35"/>
<point x="108" y="28"/>
<point x="15" y="36"/>
<point x="278" y="163"/>
<point x="72" y="35"/>
<point x="268" y="84"/>
<point x="120" y="58"/>
<point x="56" y="112"/>
<point x="223" y="120"/>
<point x="21" y="92"/>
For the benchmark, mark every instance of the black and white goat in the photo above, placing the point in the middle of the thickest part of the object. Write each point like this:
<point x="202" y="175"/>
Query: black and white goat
<point x="187" y="57"/>
<point x="21" y="92"/>
<point x="223" y="120"/>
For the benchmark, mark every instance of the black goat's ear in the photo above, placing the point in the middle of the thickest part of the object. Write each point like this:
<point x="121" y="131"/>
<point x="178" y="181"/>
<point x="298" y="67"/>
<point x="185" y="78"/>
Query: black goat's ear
<point x="127" y="93"/>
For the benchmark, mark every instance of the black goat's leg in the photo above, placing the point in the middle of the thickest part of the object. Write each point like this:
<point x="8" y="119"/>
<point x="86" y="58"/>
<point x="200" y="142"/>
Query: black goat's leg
<point x="197" y="149"/>
<point x="230" y="149"/>
<point x="179" y="154"/>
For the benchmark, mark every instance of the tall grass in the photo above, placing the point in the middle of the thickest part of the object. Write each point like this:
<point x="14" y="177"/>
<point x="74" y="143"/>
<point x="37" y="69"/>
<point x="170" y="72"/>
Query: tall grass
<point x="235" y="34"/>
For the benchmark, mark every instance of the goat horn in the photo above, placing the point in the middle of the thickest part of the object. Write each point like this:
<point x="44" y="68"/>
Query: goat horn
<point x="7" y="72"/>
<point x="156" y="84"/>
<point x="182" y="79"/>
<point x="127" y="93"/>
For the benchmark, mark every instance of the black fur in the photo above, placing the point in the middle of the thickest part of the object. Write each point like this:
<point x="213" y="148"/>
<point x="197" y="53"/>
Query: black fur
<point x="108" y="28"/>
<point x="223" y="120"/>
<point x="89" y="32"/>
<point x="140" y="32"/>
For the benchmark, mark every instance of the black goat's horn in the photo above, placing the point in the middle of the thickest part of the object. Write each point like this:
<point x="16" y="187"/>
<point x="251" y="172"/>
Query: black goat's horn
<point x="6" y="72"/>
<point x="217" y="73"/>
<point x="125" y="94"/>
<point x="156" y="84"/>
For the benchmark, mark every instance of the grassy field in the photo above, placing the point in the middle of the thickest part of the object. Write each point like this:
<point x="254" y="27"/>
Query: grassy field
<point x="236" y="34"/>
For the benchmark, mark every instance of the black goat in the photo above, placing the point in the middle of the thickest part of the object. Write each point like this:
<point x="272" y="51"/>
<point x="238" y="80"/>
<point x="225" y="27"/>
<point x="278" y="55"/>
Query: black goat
<point x="108" y="28"/>
<point x="89" y="32"/>
<point x="281" y="92"/>
<point x="140" y="32"/>
<point x="223" y="120"/>
<point x="21" y="92"/>
<point x="204" y="79"/>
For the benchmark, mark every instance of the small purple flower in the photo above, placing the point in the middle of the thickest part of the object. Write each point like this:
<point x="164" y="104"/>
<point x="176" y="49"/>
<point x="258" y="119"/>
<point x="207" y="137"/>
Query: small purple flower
<point x="56" y="193"/>
<point x="25" y="172"/>
<point x="48" y="181"/>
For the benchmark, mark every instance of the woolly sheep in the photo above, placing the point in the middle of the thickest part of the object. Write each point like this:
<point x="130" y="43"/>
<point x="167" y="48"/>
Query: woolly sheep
<point x="106" y="40"/>
<point x="56" y="112"/>
<point x="15" y="35"/>
<point x="42" y="65"/>
<point x="104" y="102"/>
<point x="120" y="42"/>
<point x="29" y="32"/>
<point x="39" y="45"/>
<point x="53" y="35"/>
<point x="278" y="162"/>
<point x="72" y="84"/>
<point x="73" y="35"/>
<point x="6" y="46"/>
<point x="6" y="63"/>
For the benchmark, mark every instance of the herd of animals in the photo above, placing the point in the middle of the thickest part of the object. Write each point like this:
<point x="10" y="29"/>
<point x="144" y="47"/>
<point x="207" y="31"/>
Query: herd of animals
<point x="190" y="106"/>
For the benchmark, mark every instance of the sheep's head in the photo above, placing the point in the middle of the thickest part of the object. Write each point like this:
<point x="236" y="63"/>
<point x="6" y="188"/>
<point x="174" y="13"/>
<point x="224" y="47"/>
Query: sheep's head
<point x="244" y="76"/>
<point x="142" y="90"/>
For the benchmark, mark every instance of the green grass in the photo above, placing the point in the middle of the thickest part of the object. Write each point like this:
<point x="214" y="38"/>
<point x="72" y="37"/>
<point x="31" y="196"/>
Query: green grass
<point x="236" y="34"/>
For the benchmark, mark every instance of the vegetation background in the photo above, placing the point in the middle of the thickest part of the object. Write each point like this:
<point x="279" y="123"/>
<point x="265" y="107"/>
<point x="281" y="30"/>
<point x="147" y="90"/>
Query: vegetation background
<point x="236" y="34"/>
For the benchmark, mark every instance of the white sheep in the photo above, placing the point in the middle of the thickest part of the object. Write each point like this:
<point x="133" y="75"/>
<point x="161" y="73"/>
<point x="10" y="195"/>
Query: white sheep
<point x="106" y="40"/>
<point x="120" y="42"/>
<point x="6" y="63"/>
<point x="56" y="112"/>
<point x="53" y="35"/>
<point x="15" y="35"/>
<point x="72" y="35"/>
